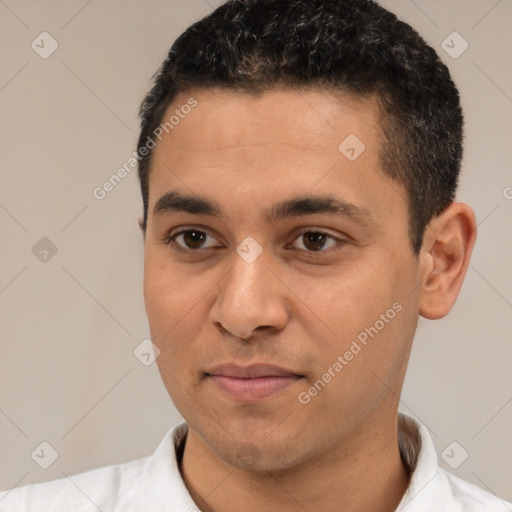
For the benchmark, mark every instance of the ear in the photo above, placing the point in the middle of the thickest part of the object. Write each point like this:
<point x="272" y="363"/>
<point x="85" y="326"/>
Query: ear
<point x="142" y="226"/>
<point x="447" y="246"/>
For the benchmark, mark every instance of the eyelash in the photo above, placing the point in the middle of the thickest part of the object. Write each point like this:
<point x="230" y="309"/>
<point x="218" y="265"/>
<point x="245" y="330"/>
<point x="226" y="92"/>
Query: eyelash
<point x="171" y="241"/>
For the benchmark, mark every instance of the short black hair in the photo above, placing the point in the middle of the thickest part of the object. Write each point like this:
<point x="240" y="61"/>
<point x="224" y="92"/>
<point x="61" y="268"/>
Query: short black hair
<point x="351" y="46"/>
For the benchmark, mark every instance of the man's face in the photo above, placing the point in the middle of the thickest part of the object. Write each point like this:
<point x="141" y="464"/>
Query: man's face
<point x="329" y="285"/>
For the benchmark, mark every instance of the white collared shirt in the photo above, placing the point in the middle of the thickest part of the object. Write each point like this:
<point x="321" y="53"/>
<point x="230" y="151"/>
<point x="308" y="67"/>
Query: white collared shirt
<point x="154" y="483"/>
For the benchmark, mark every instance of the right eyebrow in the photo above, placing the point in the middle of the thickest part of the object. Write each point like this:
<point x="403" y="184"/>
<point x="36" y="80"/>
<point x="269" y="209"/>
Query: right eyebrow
<point x="174" y="202"/>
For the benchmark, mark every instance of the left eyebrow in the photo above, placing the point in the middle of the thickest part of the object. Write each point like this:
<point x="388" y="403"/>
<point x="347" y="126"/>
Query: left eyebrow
<point x="324" y="205"/>
<point x="296" y="207"/>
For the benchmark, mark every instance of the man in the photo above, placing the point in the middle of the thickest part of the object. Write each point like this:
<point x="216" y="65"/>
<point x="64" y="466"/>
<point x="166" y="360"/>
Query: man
<point x="298" y="164"/>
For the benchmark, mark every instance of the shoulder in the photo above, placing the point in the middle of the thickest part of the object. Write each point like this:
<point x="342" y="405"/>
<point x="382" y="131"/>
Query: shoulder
<point x="88" y="491"/>
<point x="150" y="483"/>
<point x="469" y="497"/>
<point x="431" y="488"/>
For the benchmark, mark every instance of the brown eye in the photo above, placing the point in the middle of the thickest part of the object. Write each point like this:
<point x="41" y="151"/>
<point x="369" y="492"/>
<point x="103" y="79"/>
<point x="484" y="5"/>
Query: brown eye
<point x="314" y="241"/>
<point x="193" y="239"/>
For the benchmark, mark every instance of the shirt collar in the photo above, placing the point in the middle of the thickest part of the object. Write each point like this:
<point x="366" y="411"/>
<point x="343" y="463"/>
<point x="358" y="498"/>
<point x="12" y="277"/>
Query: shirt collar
<point x="161" y="482"/>
<point x="419" y="456"/>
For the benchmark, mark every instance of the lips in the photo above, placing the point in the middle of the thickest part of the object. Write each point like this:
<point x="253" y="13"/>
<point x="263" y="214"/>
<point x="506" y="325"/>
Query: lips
<point x="250" y="383"/>
<point x="253" y="371"/>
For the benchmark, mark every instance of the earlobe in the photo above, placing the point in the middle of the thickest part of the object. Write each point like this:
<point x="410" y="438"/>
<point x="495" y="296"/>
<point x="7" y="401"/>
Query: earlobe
<point x="141" y="226"/>
<point x="450" y="240"/>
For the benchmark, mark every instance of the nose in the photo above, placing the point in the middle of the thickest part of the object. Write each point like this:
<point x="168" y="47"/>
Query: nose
<point x="251" y="299"/>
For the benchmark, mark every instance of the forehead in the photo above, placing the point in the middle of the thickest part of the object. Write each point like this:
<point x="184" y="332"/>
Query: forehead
<point x="277" y="143"/>
<point x="287" y="116"/>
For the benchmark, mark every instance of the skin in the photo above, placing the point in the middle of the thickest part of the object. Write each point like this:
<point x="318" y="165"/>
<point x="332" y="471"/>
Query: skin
<point x="294" y="307"/>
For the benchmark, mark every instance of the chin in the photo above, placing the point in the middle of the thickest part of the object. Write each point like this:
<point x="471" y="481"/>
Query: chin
<point x="259" y="455"/>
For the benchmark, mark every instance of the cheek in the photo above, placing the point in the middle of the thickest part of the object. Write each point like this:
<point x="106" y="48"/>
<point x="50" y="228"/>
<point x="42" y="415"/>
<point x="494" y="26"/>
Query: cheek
<point x="172" y="308"/>
<point x="358" y="371"/>
<point x="344" y="302"/>
<point x="167" y="292"/>
<point x="360" y="315"/>
<point x="176" y="307"/>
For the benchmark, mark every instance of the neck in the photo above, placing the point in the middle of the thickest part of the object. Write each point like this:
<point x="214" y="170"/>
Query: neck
<point x="364" y="471"/>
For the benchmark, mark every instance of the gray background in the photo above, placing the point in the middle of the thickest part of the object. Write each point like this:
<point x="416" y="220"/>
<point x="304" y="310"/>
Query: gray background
<point x="70" y="323"/>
